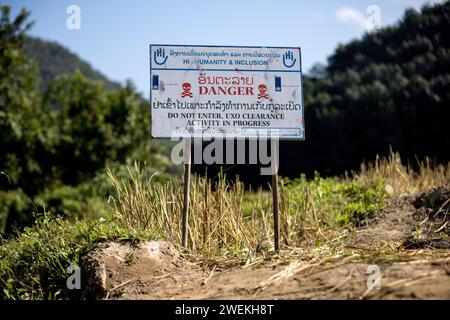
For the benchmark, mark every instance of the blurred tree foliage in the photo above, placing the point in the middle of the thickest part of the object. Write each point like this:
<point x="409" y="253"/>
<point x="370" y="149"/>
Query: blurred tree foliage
<point x="391" y="89"/>
<point x="56" y="144"/>
<point x="388" y="90"/>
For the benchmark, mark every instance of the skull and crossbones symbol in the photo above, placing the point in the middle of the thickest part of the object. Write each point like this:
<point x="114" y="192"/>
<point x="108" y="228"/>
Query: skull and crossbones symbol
<point x="262" y="92"/>
<point x="186" y="90"/>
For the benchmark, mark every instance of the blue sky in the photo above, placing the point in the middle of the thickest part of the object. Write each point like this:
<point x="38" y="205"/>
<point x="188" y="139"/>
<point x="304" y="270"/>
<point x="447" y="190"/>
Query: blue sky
<point x="115" y="34"/>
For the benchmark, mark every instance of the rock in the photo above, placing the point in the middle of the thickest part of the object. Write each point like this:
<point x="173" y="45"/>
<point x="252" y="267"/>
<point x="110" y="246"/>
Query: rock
<point x="110" y="265"/>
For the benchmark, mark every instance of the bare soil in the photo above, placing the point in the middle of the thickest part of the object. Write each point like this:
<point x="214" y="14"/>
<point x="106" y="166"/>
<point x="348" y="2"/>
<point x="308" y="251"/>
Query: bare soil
<point x="422" y="272"/>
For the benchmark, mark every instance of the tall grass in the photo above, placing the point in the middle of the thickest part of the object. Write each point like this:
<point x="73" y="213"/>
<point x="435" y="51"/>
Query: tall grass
<point x="216" y="223"/>
<point x="402" y="179"/>
<point x="225" y="220"/>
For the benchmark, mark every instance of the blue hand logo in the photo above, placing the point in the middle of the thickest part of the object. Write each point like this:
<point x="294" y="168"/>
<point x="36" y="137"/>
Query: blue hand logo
<point x="160" y="54"/>
<point x="288" y="59"/>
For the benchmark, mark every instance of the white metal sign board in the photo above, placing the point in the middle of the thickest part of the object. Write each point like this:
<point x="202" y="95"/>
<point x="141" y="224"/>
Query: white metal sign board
<point x="228" y="92"/>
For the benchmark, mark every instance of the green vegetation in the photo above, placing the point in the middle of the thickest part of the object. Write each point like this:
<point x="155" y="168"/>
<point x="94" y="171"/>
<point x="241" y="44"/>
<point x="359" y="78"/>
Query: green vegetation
<point x="33" y="265"/>
<point x="57" y="143"/>
<point x="226" y="222"/>
<point x="374" y="93"/>
<point x="336" y="201"/>
<point x="69" y="173"/>
<point x="389" y="89"/>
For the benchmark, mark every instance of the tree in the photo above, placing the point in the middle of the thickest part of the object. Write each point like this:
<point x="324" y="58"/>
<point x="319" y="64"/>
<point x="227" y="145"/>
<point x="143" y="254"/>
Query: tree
<point x="390" y="89"/>
<point x="23" y="136"/>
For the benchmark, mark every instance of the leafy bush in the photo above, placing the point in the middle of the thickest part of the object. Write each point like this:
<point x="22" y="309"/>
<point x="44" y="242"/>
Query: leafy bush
<point x="73" y="202"/>
<point x="361" y="201"/>
<point x="331" y="202"/>
<point x="56" y="143"/>
<point x="14" y="206"/>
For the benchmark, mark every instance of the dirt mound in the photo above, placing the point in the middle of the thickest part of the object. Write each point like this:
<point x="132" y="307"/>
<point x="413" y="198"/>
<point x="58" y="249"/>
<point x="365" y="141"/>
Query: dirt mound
<point x="434" y="200"/>
<point x="432" y="214"/>
<point x="110" y="267"/>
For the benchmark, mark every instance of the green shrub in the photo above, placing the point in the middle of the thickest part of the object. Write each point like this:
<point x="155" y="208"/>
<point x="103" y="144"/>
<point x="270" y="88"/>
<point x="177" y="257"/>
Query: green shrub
<point x="360" y="201"/>
<point x="73" y="202"/>
<point x="333" y="202"/>
<point x="14" y="206"/>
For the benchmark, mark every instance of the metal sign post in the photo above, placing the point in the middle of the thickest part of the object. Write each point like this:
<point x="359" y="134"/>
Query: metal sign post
<point x="187" y="183"/>
<point x="276" y="217"/>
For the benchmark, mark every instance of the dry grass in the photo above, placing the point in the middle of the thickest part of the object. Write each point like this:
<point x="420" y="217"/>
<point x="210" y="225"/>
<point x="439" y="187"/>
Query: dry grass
<point x="403" y="179"/>
<point x="225" y="221"/>
<point x="216" y="223"/>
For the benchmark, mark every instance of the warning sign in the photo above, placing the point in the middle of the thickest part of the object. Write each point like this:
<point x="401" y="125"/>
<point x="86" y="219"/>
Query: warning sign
<point x="226" y="92"/>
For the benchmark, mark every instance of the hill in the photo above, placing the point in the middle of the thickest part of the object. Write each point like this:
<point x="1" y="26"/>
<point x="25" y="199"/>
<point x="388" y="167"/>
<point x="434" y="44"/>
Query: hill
<point x="53" y="59"/>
